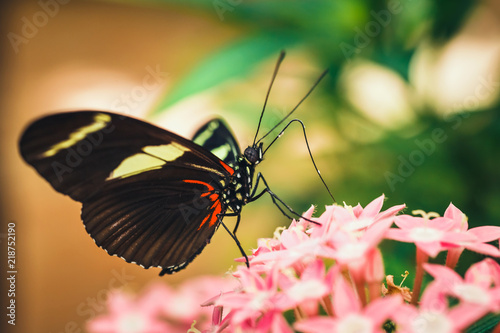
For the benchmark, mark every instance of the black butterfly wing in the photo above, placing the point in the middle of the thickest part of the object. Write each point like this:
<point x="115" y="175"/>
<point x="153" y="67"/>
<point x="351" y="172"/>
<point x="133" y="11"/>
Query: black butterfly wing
<point x="163" y="222"/>
<point x="216" y="137"/>
<point x="132" y="178"/>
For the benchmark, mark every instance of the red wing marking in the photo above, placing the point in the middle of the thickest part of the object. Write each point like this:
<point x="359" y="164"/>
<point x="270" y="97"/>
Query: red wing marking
<point x="215" y="210"/>
<point x="227" y="167"/>
<point x="210" y="188"/>
<point x="216" y="207"/>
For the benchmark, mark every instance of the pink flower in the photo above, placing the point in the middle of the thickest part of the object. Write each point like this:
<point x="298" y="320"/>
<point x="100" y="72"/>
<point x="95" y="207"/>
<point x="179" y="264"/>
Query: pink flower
<point x="161" y="308"/>
<point x="272" y="321"/>
<point x="359" y="256"/>
<point x="363" y="218"/>
<point x="345" y="234"/>
<point x="477" y="240"/>
<point x="484" y="273"/>
<point x="183" y="306"/>
<point x="296" y="247"/>
<point x="127" y="316"/>
<point x="477" y="289"/>
<point x="290" y="246"/>
<point x="350" y="316"/>
<point x="257" y="304"/>
<point x="433" y="314"/>
<point x="329" y="276"/>
<point x="348" y="249"/>
<point x="429" y="235"/>
<point x="306" y="291"/>
<point x="352" y="219"/>
<point x="358" y="231"/>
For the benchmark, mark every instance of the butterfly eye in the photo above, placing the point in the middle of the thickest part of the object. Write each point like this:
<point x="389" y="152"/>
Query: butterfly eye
<point x="252" y="155"/>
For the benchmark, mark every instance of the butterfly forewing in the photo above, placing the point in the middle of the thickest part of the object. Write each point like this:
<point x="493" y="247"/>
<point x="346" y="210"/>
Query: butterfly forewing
<point x="77" y="151"/>
<point x="148" y="195"/>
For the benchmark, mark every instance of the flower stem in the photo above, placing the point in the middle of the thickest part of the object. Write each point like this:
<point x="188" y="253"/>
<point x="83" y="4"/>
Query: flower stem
<point x="374" y="290"/>
<point x="326" y="302"/>
<point x="453" y="256"/>
<point x="422" y="258"/>
<point x="298" y="313"/>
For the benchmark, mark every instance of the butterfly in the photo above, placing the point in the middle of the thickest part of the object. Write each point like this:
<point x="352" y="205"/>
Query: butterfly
<point x="148" y="195"/>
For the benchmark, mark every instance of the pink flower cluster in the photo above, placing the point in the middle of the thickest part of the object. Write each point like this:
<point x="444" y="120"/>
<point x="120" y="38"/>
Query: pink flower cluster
<point x="160" y="308"/>
<point x="326" y="274"/>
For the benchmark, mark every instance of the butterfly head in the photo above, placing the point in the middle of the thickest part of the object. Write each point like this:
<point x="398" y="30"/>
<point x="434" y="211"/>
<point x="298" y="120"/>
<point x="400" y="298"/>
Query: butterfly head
<point x="254" y="154"/>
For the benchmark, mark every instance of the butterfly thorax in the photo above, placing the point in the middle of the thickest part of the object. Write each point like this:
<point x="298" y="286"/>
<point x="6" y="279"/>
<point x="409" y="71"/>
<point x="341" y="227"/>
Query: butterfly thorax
<point x="238" y="192"/>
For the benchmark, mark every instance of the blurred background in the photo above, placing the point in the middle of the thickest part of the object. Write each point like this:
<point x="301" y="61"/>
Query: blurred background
<point x="410" y="108"/>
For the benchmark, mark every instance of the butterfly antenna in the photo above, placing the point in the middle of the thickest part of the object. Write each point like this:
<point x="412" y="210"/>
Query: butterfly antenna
<point x="295" y="108"/>
<point x="276" y="68"/>
<point x="308" y="150"/>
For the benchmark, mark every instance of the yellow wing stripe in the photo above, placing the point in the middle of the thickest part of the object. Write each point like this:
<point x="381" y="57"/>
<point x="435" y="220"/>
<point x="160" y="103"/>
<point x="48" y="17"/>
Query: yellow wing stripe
<point x="152" y="158"/>
<point x="101" y="120"/>
<point x="168" y="153"/>
<point x="136" y="164"/>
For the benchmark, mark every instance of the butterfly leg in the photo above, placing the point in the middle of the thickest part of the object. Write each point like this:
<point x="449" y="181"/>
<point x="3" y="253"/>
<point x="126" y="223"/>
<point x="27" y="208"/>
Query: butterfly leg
<point x="233" y="236"/>
<point x="238" y="219"/>
<point x="238" y="216"/>
<point x="274" y="198"/>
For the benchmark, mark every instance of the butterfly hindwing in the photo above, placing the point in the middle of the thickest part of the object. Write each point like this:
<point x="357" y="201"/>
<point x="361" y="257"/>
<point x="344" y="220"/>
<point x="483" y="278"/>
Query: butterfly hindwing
<point x="148" y="195"/>
<point x="216" y="137"/>
<point x="163" y="223"/>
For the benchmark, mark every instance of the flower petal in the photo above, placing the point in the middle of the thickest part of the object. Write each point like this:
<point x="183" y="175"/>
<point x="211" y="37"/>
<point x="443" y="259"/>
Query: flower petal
<point x="486" y="233"/>
<point x="373" y="208"/>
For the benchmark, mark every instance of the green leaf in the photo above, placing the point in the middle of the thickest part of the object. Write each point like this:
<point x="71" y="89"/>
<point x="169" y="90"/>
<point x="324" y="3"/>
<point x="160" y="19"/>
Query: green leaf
<point x="234" y="60"/>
